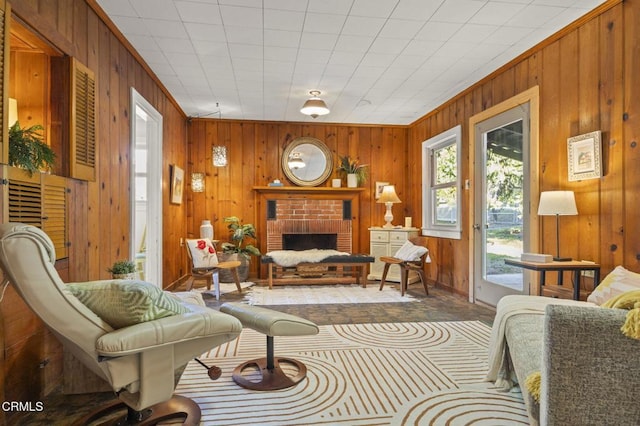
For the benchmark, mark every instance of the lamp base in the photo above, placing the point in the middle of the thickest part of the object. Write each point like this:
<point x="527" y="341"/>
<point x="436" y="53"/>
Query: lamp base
<point x="562" y="259"/>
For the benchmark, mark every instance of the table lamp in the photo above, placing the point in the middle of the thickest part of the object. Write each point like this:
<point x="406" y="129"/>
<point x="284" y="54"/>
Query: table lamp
<point x="557" y="203"/>
<point x="389" y="198"/>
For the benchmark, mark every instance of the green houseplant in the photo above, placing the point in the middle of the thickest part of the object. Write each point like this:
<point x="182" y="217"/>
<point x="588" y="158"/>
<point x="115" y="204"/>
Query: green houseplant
<point x="347" y="166"/>
<point x="27" y="150"/>
<point x="237" y="248"/>
<point x="123" y="269"/>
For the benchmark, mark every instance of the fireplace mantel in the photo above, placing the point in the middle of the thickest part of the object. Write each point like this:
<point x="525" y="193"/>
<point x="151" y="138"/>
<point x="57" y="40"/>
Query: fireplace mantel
<point x="306" y="190"/>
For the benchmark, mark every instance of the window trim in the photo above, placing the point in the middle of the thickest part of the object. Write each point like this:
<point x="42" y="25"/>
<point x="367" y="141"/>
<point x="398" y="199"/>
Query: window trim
<point x="429" y="228"/>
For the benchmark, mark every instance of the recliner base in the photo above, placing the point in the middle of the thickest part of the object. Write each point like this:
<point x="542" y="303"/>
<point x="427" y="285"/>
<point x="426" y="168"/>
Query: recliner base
<point x="272" y="378"/>
<point x="178" y="407"/>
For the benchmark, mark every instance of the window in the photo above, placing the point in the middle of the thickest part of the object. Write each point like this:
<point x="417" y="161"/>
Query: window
<point x="441" y="184"/>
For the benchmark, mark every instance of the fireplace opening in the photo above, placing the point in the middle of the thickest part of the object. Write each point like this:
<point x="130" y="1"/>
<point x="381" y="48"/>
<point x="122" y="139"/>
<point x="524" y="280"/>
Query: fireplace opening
<point x="309" y="241"/>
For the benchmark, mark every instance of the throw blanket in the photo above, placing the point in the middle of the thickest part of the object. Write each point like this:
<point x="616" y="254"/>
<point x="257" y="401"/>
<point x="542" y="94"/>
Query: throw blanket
<point x="293" y="257"/>
<point x="499" y="364"/>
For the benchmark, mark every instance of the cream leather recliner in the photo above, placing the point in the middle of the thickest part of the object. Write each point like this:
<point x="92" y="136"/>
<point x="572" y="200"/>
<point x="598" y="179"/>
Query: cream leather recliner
<point x="138" y="361"/>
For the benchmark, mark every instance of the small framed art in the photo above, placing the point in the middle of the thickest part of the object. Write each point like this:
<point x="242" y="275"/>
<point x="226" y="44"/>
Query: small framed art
<point x="379" y="186"/>
<point x="177" y="184"/>
<point x="584" y="154"/>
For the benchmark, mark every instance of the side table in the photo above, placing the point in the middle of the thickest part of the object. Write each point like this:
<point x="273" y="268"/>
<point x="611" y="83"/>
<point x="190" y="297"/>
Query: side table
<point x="576" y="266"/>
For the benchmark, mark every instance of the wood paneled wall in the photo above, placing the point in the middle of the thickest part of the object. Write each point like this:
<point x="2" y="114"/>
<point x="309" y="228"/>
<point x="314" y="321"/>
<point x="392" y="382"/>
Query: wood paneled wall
<point x="254" y="151"/>
<point x="100" y="210"/>
<point x="588" y="81"/>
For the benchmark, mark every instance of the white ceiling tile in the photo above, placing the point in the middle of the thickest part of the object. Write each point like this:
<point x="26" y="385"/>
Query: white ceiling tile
<point x="348" y="43"/>
<point x="244" y="35"/>
<point x="534" y="16"/>
<point x="246" y="17"/>
<point x="457" y="10"/>
<point x="438" y="31"/>
<point x="374" y="8"/>
<point x="339" y="7"/>
<point x="283" y="20"/>
<point x="361" y="26"/>
<point x="388" y="45"/>
<point x="324" y="23"/>
<point x="473" y="33"/>
<point x="496" y="13"/>
<point x="281" y="38"/>
<point x="286" y="5"/>
<point x="318" y="41"/>
<point x="401" y="28"/>
<point x="199" y="12"/>
<point x="407" y="56"/>
<point x="156" y="9"/>
<point x="419" y="10"/>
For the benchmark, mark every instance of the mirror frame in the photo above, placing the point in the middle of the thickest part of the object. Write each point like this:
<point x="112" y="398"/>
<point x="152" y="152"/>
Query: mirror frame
<point x="318" y="144"/>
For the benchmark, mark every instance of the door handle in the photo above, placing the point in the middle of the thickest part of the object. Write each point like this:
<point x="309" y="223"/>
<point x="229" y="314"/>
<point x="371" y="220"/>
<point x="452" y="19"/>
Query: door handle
<point x="476" y="226"/>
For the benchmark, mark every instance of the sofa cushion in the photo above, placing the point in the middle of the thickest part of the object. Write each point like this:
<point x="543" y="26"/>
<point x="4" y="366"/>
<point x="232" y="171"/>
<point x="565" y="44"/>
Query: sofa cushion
<point x="123" y="303"/>
<point x="618" y="281"/>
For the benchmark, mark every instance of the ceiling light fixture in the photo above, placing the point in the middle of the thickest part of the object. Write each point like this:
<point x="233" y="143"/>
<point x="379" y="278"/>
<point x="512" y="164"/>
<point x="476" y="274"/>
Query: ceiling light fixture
<point x="295" y="161"/>
<point x="314" y="106"/>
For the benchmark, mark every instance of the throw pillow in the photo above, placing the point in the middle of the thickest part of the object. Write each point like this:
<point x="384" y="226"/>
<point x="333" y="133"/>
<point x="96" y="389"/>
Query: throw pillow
<point x="619" y="281"/>
<point x="123" y="303"/>
<point x="410" y="252"/>
<point x="203" y="253"/>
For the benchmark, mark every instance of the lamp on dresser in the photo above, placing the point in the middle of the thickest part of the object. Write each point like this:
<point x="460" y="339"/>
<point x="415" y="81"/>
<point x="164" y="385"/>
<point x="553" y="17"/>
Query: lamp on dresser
<point x="389" y="198"/>
<point x="557" y="203"/>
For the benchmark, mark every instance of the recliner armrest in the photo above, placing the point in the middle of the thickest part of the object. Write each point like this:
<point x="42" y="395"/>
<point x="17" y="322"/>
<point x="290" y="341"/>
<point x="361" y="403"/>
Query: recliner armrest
<point x="590" y="371"/>
<point x="202" y="322"/>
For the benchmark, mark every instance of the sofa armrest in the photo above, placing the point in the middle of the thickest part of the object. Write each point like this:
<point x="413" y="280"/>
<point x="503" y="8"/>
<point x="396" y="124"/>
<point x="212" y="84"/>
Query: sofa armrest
<point x="202" y="322"/>
<point x="590" y="370"/>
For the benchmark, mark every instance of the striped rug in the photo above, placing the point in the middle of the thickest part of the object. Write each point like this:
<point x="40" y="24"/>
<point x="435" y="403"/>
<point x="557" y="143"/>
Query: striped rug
<point x="324" y="294"/>
<point x="427" y="373"/>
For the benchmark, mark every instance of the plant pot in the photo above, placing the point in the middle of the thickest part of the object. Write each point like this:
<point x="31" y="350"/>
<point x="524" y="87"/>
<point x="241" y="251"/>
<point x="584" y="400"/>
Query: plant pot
<point x="129" y="276"/>
<point x="225" y="275"/>
<point x="352" y="180"/>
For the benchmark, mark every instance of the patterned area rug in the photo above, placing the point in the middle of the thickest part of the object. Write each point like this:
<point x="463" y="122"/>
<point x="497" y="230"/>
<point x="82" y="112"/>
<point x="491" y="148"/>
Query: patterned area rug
<point x="363" y="374"/>
<point x="324" y="294"/>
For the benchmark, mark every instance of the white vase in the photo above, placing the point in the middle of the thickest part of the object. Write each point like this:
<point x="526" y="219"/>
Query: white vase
<point x="352" y="180"/>
<point x="206" y="229"/>
<point x="336" y="183"/>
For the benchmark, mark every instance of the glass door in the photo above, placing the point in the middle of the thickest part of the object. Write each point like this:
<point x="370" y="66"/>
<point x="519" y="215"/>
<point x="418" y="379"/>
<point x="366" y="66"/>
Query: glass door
<point x="501" y="223"/>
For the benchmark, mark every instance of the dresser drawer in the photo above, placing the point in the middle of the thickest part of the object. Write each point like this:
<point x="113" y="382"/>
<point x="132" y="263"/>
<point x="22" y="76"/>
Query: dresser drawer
<point x="381" y="236"/>
<point x="398" y="237"/>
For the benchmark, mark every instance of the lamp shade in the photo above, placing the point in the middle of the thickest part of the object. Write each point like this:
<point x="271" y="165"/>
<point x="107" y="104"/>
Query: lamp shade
<point x="314" y="106"/>
<point x="295" y="161"/>
<point x="562" y="203"/>
<point x="389" y="195"/>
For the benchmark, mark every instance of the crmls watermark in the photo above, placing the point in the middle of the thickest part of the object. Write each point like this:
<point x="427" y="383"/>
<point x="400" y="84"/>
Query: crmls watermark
<point x="14" y="406"/>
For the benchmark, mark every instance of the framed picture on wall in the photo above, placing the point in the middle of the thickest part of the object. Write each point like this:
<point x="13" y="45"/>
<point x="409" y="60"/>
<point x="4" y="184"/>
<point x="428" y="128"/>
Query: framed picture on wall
<point x="379" y="186"/>
<point x="177" y="184"/>
<point x="584" y="154"/>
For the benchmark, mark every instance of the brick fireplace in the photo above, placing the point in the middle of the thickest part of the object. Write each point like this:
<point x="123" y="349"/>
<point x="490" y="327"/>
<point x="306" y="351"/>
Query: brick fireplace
<point x="309" y="217"/>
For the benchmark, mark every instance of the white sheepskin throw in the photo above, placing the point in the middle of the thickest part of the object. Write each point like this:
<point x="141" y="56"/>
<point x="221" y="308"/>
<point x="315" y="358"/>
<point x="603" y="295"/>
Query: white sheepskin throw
<point x="293" y="257"/>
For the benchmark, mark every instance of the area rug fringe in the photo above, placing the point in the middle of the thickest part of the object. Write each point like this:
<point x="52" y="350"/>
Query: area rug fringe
<point x="362" y="374"/>
<point x="324" y="294"/>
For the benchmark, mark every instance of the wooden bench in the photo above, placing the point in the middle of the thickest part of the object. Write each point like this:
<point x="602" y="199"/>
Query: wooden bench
<point x="338" y="269"/>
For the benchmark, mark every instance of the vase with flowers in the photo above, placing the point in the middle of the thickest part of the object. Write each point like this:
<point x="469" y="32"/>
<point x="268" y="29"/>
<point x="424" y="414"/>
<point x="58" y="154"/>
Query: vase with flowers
<point x="356" y="173"/>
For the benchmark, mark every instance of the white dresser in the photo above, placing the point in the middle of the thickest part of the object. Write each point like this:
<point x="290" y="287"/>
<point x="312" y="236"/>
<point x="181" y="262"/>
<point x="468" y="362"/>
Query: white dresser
<point x="385" y="242"/>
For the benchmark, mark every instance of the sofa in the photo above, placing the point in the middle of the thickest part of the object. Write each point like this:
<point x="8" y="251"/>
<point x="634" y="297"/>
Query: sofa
<point x="589" y="371"/>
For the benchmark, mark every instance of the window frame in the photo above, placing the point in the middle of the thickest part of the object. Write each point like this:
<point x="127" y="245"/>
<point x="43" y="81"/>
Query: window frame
<point x="447" y="138"/>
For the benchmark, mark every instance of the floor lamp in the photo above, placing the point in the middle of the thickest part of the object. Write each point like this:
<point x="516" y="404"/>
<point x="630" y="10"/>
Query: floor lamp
<point x="557" y="203"/>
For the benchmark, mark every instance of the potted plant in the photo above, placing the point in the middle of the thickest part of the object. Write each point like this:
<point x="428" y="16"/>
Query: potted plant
<point x="28" y="151"/>
<point x="356" y="173"/>
<point x="238" y="249"/>
<point x="123" y="270"/>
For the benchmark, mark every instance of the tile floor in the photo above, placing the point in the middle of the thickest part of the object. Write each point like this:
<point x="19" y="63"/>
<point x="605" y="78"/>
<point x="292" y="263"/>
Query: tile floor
<point x="440" y="305"/>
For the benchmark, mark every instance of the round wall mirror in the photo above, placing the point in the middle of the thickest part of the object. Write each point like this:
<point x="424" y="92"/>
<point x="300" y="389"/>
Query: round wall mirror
<point x="307" y="161"/>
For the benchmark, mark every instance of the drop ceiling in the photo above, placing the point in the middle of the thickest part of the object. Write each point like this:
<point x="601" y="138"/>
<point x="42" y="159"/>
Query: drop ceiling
<point x="375" y="61"/>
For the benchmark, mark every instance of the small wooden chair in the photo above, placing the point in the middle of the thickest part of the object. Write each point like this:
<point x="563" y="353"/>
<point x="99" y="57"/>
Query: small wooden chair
<point x="210" y="273"/>
<point x="406" y="266"/>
